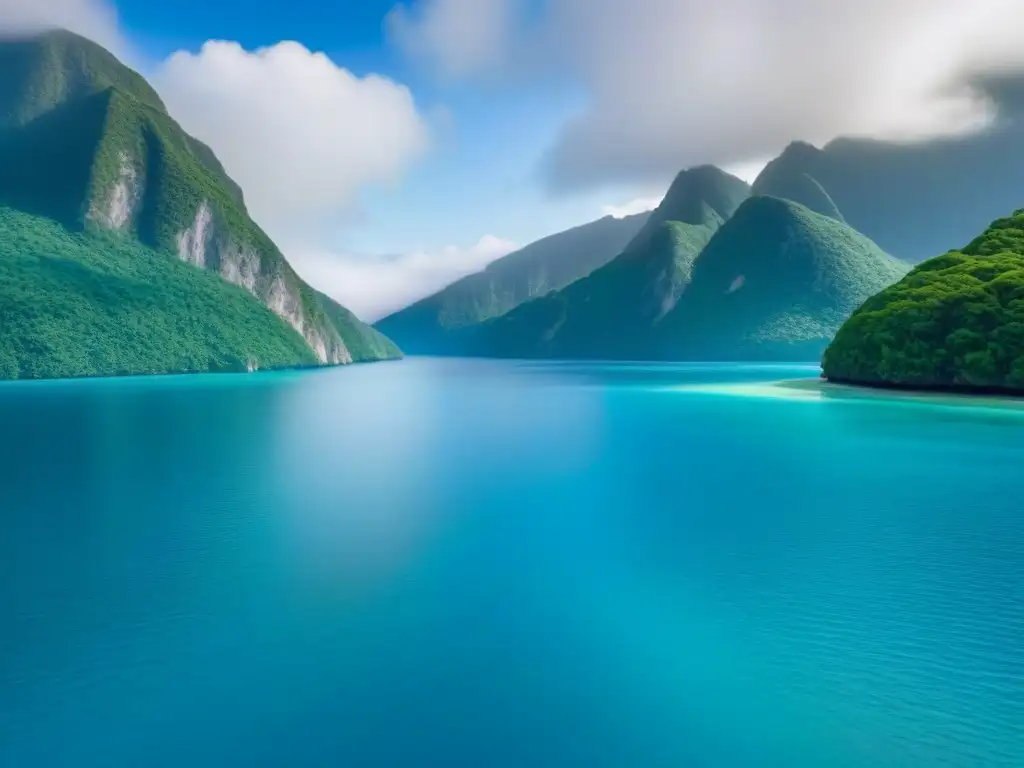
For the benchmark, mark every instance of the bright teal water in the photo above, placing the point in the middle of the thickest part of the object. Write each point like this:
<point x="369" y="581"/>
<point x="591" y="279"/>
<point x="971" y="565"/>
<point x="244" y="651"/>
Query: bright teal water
<point x="454" y="563"/>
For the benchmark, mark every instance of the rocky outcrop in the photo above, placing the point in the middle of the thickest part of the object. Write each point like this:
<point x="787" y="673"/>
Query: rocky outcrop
<point x="194" y="242"/>
<point x="116" y="211"/>
<point x="206" y="245"/>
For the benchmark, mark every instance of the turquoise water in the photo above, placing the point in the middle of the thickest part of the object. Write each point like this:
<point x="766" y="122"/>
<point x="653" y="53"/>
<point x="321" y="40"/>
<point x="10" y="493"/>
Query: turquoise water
<point x="456" y="563"/>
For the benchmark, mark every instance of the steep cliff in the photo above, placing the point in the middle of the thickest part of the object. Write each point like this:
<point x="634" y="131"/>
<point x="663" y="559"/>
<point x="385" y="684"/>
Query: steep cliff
<point x="86" y="142"/>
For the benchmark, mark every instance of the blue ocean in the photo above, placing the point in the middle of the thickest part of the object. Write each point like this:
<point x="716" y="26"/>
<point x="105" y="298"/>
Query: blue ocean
<point x="481" y="563"/>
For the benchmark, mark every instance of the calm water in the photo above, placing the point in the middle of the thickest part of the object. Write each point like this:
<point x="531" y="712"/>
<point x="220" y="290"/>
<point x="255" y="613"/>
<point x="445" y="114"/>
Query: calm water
<point x="452" y="563"/>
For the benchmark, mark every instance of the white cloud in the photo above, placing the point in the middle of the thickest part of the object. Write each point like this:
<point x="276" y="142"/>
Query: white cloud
<point x="299" y="133"/>
<point x="633" y="207"/>
<point x="95" y="19"/>
<point x="748" y="171"/>
<point x="457" y="37"/>
<point x="676" y="83"/>
<point x="375" y="286"/>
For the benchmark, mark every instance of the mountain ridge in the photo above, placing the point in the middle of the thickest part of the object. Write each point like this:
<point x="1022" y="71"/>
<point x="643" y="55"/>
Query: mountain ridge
<point x="435" y="323"/>
<point x="611" y="312"/>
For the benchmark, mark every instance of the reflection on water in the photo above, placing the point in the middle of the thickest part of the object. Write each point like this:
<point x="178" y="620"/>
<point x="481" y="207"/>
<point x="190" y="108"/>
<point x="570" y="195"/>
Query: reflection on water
<point x="496" y="563"/>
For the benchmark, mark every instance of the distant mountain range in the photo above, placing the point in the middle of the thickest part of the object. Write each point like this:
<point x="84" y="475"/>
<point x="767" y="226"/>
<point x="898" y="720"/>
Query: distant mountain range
<point x="715" y="272"/>
<point x="432" y="325"/>
<point x="849" y="204"/>
<point x="614" y="311"/>
<point x="99" y="188"/>
<point x="911" y="199"/>
<point x="126" y="248"/>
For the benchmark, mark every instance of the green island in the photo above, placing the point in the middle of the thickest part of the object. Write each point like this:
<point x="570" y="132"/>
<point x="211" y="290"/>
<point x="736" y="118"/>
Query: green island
<point x="955" y="322"/>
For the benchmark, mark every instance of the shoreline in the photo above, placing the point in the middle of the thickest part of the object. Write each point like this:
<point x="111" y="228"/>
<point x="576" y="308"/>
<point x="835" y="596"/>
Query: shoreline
<point x="839" y="389"/>
<point x="818" y="389"/>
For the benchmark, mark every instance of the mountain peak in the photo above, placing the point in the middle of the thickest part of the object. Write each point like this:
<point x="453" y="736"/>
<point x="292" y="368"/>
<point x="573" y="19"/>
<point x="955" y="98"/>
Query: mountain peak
<point x="699" y="196"/>
<point x="697" y="193"/>
<point x="779" y="278"/>
<point x="47" y="69"/>
<point x="800" y="148"/>
<point x="793" y="176"/>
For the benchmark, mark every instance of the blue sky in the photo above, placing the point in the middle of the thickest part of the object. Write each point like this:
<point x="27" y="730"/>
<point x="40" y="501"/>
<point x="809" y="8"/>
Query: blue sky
<point x="481" y="175"/>
<point x="389" y="153"/>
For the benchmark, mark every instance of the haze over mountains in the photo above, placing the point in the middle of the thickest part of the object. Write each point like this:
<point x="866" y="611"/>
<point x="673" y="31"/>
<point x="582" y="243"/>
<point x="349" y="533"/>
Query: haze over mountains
<point x="88" y="151"/>
<point x="546" y="265"/>
<point x="910" y="201"/>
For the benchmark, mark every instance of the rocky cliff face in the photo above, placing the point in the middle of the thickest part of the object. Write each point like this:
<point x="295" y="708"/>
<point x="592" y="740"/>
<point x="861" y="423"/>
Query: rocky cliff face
<point x="209" y="245"/>
<point x="116" y="210"/>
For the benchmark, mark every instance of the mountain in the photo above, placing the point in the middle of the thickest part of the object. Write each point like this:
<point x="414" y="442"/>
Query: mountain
<point x="429" y="325"/>
<point x="87" y="144"/>
<point x="913" y="199"/>
<point x="74" y="304"/>
<point x="613" y="311"/>
<point x="365" y="343"/>
<point x="954" y="322"/>
<point x="787" y="179"/>
<point x="775" y="282"/>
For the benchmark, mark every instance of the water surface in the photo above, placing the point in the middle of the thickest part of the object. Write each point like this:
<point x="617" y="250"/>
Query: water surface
<point x="474" y="563"/>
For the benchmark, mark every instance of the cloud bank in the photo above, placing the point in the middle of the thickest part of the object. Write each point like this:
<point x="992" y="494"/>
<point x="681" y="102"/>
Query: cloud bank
<point x="299" y="133"/>
<point x="675" y="83"/>
<point x="458" y="37"/>
<point x="376" y="286"/>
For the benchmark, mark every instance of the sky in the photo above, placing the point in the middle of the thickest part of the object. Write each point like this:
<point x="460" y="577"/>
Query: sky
<point x="390" y="148"/>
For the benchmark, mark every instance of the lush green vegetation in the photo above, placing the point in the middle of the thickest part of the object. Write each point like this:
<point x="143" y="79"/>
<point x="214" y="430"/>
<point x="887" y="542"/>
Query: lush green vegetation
<point x="67" y="162"/>
<point x="956" y="321"/>
<point x="80" y="304"/>
<point x="434" y="324"/>
<point x="86" y="142"/>
<point x="610" y="313"/>
<point x="613" y="312"/>
<point x="776" y="281"/>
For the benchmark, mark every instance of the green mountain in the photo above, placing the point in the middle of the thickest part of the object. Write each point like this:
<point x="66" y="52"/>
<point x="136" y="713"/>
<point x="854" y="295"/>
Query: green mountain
<point x="954" y="322"/>
<point x="87" y="144"/>
<point x="612" y="313"/>
<point x="913" y="199"/>
<point x="75" y="304"/>
<point x="790" y="181"/>
<point x="775" y="282"/>
<point x="365" y="343"/>
<point x="431" y="325"/>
